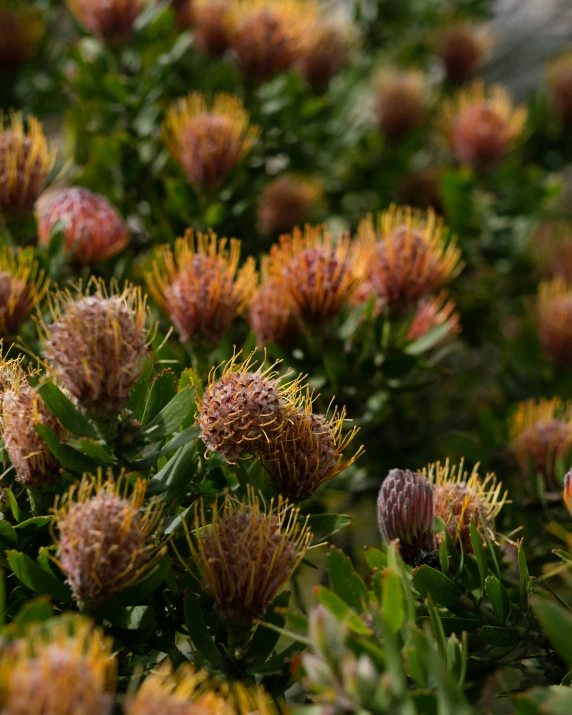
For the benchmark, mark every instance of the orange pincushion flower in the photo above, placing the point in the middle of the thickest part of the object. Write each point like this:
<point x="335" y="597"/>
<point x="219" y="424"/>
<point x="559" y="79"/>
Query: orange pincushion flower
<point x="110" y="20"/>
<point x="21" y="27"/>
<point x="199" y="286"/>
<point x="284" y="203"/>
<point x="320" y="275"/>
<point x="552" y="247"/>
<point x="559" y="78"/>
<point x="63" y="667"/>
<point x="93" y="228"/>
<point x="208" y="139"/>
<point x="554" y="305"/>
<point x="246" y="553"/>
<point x="324" y="51"/>
<point x="271" y="314"/>
<point x="23" y="285"/>
<point x="432" y="312"/>
<point x="105" y="536"/>
<point x="540" y="434"/>
<point x="26" y="159"/>
<point x="400" y="102"/>
<point x="409" y="254"/>
<point x="212" y="26"/>
<point x="462" y="47"/>
<point x="481" y="124"/>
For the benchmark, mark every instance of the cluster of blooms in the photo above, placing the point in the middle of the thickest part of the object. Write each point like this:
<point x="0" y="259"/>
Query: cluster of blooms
<point x="408" y="503"/>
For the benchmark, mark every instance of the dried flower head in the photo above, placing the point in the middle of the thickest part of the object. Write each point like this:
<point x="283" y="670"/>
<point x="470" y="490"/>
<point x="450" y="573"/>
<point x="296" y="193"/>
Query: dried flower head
<point x="286" y="202"/>
<point x="110" y="20"/>
<point x="26" y="159"/>
<point x="247" y="553"/>
<point x="567" y="493"/>
<point x="199" y="286"/>
<point x="96" y="344"/>
<point x="554" y="305"/>
<point x="559" y="80"/>
<point x="271" y="315"/>
<point x="409" y="254"/>
<point x="105" y="536"/>
<point x="65" y="667"/>
<point x="540" y="434"/>
<point x="405" y="512"/>
<point x="481" y="124"/>
<point x="400" y="102"/>
<point x="23" y="285"/>
<point x="324" y="51"/>
<point x="21" y="410"/>
<point x="308" y="452"/>
<point x="212" y="26"/>
<point x="462" y="47"/>
<point x="551" y="246"/>
<point x="320" y="275"/>
<point x="266" y="35"/>
<point x="460" y="497"/>
<point x="242" y="410"/>
<point x="208" y="139"/>
<point x="432" y="313"/>
<point x="93" y="228"/>
<point x="21" y="27"/>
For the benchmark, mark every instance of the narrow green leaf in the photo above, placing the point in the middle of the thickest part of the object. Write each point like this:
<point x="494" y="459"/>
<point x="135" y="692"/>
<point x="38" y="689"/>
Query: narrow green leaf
<point x="177" y="475"/>
<point x="138" y="396"/>
<point x="8" y="535"/>
<point x="198" y="631"/>
<point x="558" y="626"/>
<point x="431" y="338"/>
<point x="65" y="411"/>
<point x="39" y="609"/>
<point x="69" y="457"/>
<point x="479" y="551"/>
<point x="163" y="390"/>
<point x="264" y="640"/>
<point x="524" y="578"/>
<point x="498" y="597"/>
<point x="36" y="523"/>
<point x="131" y="618"/>
<point x="499" y="637"/>
<point x="141" y="590"/>
<point x="172" y="416"/>
<point x="36" y="579"/>
<point x="375" y="558"/>
<point x="345" y="582"/>
<point x="324" y="525"/>
<point x="96" y="451"/>
<point x="429" y="581"/>
<point x="392" y="605"/>
<point x="341" y="610"/>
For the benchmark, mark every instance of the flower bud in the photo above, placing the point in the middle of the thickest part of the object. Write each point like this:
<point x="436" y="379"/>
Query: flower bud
<point x="110" y="20"/>
<point x="432" y="313"/>
<point x="405" y="512"/>
<point x="559" y="79"/>
<point x="284" y="203"/>
<point x="21" y="27"/>
<point x="554" y="306"/>
<point x="271" y="315"/>
<point x="211" y="26"/>
<point x="400" y="102"/>
<point x="462" y="47"/>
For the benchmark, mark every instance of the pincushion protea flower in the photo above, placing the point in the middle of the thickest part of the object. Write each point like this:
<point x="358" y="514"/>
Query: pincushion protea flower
<point x="540" y="434"/>
<point x="405" y="512"/>
<point x="240" y="412"/>
<point x="26" y="159"/>
<point x="21" y="410"/>
<point x="105" y="537"/>
<point x="551" y="246"/>
<point x="63" y="667"/>
<point x="324" y="51"/>
<point x="208" y="139"/>
<point x="110" y="20"/>
<point x="96" y="344"/>
<point x="23" y="285"/>
<point x="21" y="27"/>
<point x="93" y="228"/>
<point x="308" y="452"/>
<point x="433" y="312"/>
<point x="400" y="102"/>
<point x="271" y="315"/>
<point x="554" y="306"/>
<point x="199" y="285"/>
<point x="409" y="254"/>
<point x="481" y="124"/>
<point x="567" y="493"/>
<point x="247" y="553"/>
<point x="320" y="275"/>
<point x="559" y="79"/>
<point x="266" y="35"/>
<point x="462" y="47"/>
<point x="460" y="497"/>
<point x="211" y="24"/>
<point x="286" y="202"/>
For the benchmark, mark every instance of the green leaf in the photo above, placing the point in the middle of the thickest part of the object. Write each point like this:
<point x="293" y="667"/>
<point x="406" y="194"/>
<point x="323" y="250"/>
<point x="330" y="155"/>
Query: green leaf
<point x="65" y="411"/>
<point x="345" y="582"/>
<point x="138" y="398"/>
<point x="479" y="550"/>
<point x="2" y="598"/>
<point x="443" y="591"/>
<point x="177" y="475"/>
<point x="36" y="523"/>
<point x="69" y="457"/>
<point x="141" y="590"/>
<point x="39" y="609"/>
<point x="392" y="606"/>
<point x="131" y="618"/>
<point x="8" y="535"/>
<point x="163" y="390"/>
<point x="14" y="506"/>
<point x="198" y="631"/>
<point x="431" y="338"/>
<point x="524" y="578"/>
<point x="500" y="637"/>
<point x="324" y="525"/>
<point x="557" y="623"/>
<point x="341" y="610"/>
<point x="172" y="416"/>
<point x="264" y="640"/>
<point x="96" y="451"/>
<point x="277" y="663"/>
<point x="375" y="558"/>
<point x="498" y="597"/>
<point x="36" y="579"/>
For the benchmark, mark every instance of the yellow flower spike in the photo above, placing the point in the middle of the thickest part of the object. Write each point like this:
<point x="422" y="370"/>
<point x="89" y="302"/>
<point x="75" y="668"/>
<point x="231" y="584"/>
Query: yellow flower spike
<point x="200" y="286"/>
<point x="246" y="553"/>
<point x="105" y="539"/>
<point x="23" y="286"/>
<point x="554" y="305"/>
<point x="208" y="138"/>
<point x="21" y="27"/>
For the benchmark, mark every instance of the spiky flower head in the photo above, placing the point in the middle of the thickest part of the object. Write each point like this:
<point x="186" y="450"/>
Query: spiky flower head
<point x="551" y="246"/>
<point x="320" y="275"/>
<point x="540" y="434"/>
<point x="462" y="47"/>
<point x="410" y="254"/>
<point x="64" y="667"/>
<point x="246" y="552"/>
<point x="199" y="285"/>
<point x="240" y="412"/>
<point x="266" y="35"/>
<point x="22" y="409"/>
<point x="554" y="305"/>
<point x="211" y="24"/>
<point x="105" y="539"/>
<point x="405" y="512"/>
<point x="308" y="452"/>
<point x="110" y="20"/>
<point x="567" y="493"/>
<point x="559" y="79"/>
<point x="23" y="285"/>
<point x="21" y="27"/>
<point x="400" y="102"/>
<point x="96" y="344"/>
<point x="325" y="47"/>
<point x="433" y="312"/>
<point x="460" y="497"/>
<point x="271" y="314"/>
<point x="481" y="124"/>
<point x="286" y="202"/>
<point x="94" y="230"/>
<point x="26" y="159"/>
<point x="209" y="138"/>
